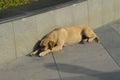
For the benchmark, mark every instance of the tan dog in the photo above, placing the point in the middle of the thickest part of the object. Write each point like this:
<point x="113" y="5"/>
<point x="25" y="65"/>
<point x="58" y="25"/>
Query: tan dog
<point x="60" y="37"/>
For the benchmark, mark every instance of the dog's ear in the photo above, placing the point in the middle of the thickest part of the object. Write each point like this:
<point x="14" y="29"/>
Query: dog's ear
<point x="51" y="44"/>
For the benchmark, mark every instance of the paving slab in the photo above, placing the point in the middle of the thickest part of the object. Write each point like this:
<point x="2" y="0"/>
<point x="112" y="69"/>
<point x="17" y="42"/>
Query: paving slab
<point x="85" y="62"/>
<point x="110" y="39"/>
<point x="115" y="52"/>
<point x="28" y="68"/>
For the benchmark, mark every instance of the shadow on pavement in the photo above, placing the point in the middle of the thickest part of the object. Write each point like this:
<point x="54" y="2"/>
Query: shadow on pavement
<point x="89" y="74"/>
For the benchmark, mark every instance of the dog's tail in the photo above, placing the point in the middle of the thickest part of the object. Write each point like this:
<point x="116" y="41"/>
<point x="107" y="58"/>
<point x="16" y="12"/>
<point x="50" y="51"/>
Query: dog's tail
<point x="97" y="39"/>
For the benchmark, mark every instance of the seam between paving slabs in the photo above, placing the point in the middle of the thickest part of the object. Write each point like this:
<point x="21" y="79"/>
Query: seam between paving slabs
<point x="119" y="35"/>
<point x="110" y="54"/>
<point x="57" y="68"/>
<point x="109" y="51"/>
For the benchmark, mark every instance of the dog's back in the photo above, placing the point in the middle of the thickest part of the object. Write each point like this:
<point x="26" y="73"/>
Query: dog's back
<point x="73" y="35"/>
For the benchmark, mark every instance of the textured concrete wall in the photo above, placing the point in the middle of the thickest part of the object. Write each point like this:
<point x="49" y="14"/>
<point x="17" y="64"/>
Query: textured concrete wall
<point x="17" y="38"/>
<point x="7" y="43"/>
<point x="95" y="13"/>
<point x="25" y="31"/>
<point x="108" y="11"/>
<point x="117" y="9"/>
<point x="80" y="13"/>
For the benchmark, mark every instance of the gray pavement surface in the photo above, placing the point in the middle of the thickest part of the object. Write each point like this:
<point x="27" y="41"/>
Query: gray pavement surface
<point x="91" y="61"/>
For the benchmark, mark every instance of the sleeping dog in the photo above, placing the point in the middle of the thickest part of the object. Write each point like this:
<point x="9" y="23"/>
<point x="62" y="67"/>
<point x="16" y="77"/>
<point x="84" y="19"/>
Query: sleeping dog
<point x="59" y="37"/>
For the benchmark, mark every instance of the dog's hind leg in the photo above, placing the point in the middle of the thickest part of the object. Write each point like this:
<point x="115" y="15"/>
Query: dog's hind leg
<point x="89" y="33"/>
<point x="91" y="39"/>
<point x="84" y="41"/>
<point x="94" y="37"/>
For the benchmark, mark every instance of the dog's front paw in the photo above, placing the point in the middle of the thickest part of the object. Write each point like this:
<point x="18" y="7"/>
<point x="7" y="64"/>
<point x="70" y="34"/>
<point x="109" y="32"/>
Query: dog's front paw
<point x="42" y="54"/>
<point x="32" y="54"/>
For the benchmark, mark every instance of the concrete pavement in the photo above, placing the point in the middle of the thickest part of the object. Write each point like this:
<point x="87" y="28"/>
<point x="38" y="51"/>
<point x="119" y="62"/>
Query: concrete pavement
<point x="91" y="61"/>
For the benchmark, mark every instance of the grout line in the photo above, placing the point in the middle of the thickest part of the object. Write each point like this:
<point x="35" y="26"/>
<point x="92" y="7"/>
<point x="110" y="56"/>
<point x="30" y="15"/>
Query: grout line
<point x="57" y="67"/>
<point x="110" y="52"/>
<point x="88" y="13"/>
<point x="14" y="40"/>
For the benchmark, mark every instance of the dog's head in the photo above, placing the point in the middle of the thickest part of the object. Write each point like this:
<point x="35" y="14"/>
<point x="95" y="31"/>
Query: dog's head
<point x="46" y="44"/>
